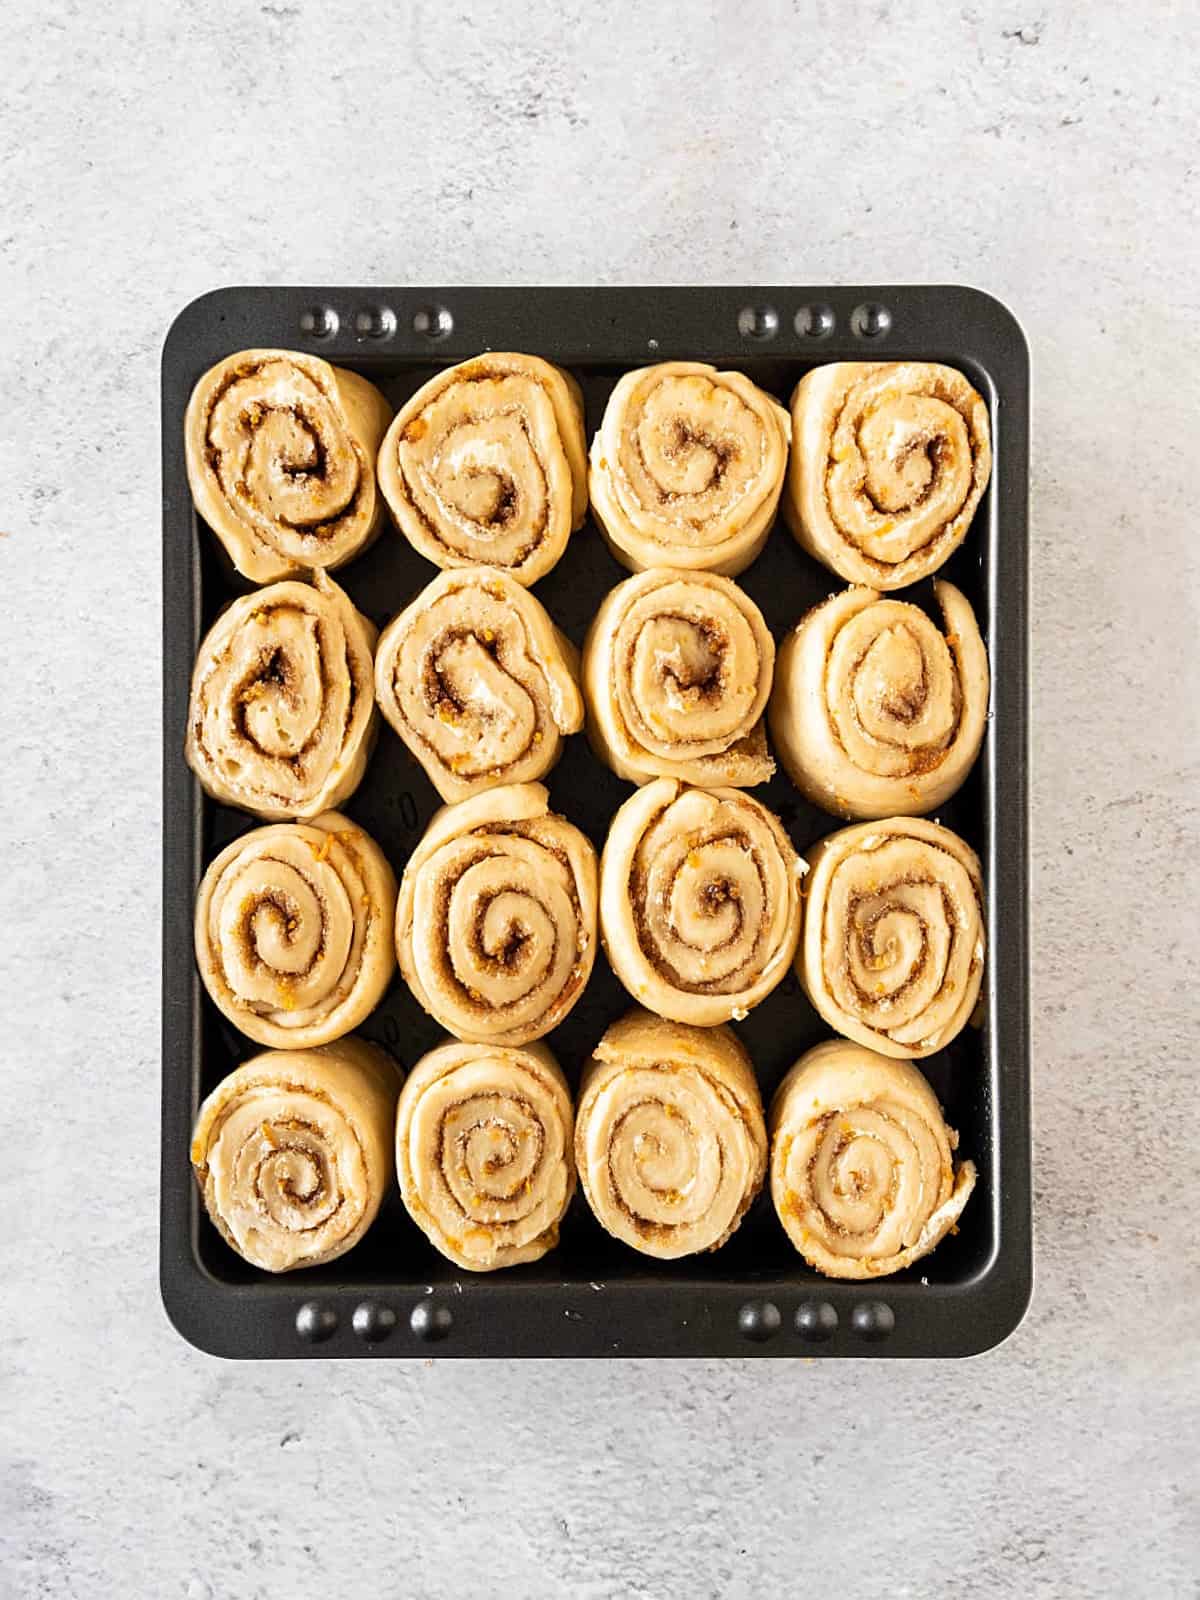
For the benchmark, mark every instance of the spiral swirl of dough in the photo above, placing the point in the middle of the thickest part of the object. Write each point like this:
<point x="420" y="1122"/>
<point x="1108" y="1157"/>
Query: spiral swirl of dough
<point x="875" y="711"/>
<point x="677" y="670"/>
<point x="281" y="720"/>
<point x="280" y="451"/>
<point x="483" y="1152"/>
<point x="889" y="462"/>
<point x="669" y="1135"/>
<point x="478" y="682"/>
<point x="699" y="901"/>
<point x="294" y="931"/>
<point x="893" y="943"/>
<point x="292" y="1152"/>
<point x="496" y="922"/>
<point x="862" y="1170"/>
<point x="486" y="465"/>
<point x="687" y="468"/>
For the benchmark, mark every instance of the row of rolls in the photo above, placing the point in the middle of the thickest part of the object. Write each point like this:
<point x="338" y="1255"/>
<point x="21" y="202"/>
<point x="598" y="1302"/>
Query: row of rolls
<point x="699" y="898"/>
<point x="296" y="1149"/>
<point x="878" y="466"/>
<point x="873" y="708"/>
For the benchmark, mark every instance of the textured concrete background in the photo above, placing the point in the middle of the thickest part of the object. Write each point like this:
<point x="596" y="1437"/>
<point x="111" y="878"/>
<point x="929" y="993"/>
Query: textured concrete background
<point x="148" y="152"/>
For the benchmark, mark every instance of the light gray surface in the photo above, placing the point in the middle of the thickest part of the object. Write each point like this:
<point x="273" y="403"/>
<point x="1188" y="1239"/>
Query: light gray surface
<point x="148" y="153"/>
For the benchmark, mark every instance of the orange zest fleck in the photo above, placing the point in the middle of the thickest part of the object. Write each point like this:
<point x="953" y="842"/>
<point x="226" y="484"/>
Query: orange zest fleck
<point x="321" y="851"/>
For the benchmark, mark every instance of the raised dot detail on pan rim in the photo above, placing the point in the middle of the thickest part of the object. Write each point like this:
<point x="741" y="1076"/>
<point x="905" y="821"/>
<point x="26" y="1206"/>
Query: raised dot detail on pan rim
<point x="816" y="1320"/>
<point x="434" y="321"/>
<point x="429" y="1321"/>
<point x="815" y="320"/>
<point x="871" y="320"/>
<point x="373" y="1323"/>
<point x="759" y="1320"/>
<point x="319" y="322"/>
<point x="873" y="1319"/>
<point x="758" y="322"/>
<point x="375" y="322"/>
<point x="315" y="1322"/>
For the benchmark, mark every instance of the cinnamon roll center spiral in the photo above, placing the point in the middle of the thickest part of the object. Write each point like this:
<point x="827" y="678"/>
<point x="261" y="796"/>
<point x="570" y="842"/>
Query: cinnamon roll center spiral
<point x="281" y="452"/>
<point x="905" y="942"/>
<point x="282" y="701"/>
<point x="483" y="1149"/>
<point x="903" y="462"/>
<point x="470" y="690"/>
<point x="665" y="1157"/>
<point x="711" y="901"/>
<point x="692" y="470"/>
<point x="473" y="463"/>
<point x="286" y="926"/>
<point x="867" y="1178"/>
<point x="506" y="916"/>
<point x="687" y="680"/>
<point x="286" y="1161"/>
<point x="491" y="1148"/>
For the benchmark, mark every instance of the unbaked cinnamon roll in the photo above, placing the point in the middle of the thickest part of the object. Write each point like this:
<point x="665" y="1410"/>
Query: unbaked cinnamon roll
<point x="496" y="922"/>
<point x="677" y="670"/>
<point x="669" y="1135"/>
<point x="699" y="901"/>
<point x="294" y="930"/>
<point x="486" y="465"/>
<point x="889" y="461"/>
<point x="876" y="711"/>
<point x="292" y="1152"/>
<point x="687" y="468"/>
<point x="282" y="715"/>
<point x="478" y="682"/>
<point x="893" y="944"/>
<point x="483" y="1152"/>
<point x="280" y="452"/>
<point x="862" y="1168"/>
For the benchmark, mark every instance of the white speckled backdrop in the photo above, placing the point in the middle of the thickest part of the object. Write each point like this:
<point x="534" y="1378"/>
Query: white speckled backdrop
<point x="1046" y="152"/>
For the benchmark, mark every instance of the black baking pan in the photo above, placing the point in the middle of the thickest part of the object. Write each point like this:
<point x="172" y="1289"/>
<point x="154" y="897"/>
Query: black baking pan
<point x="394" y="1295"/>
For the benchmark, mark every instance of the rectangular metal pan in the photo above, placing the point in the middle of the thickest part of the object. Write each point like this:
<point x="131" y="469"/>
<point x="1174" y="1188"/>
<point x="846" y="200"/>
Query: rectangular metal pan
<point x="393" y="1294"/>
